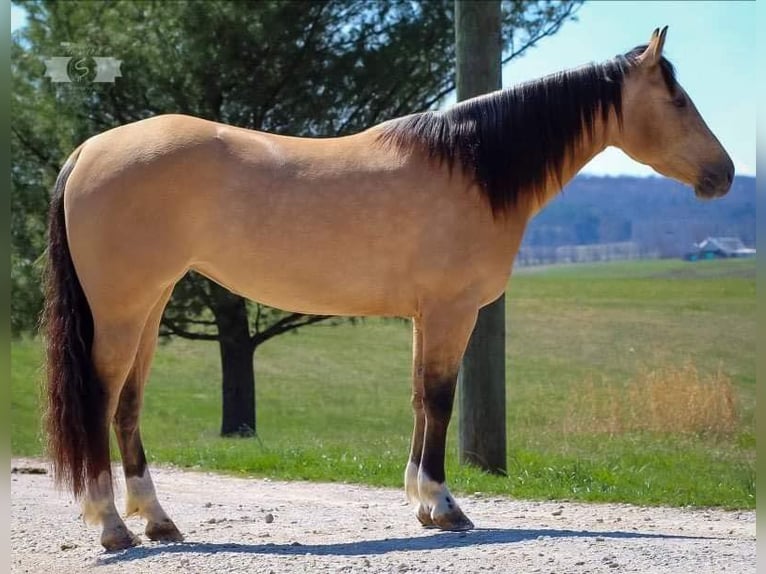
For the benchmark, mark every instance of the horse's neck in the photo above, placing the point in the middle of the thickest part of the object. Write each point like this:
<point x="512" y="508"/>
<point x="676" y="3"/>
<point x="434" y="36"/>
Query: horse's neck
<point x="584" y="151"/>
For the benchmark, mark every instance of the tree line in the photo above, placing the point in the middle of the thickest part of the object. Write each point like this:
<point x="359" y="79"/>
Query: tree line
<point x="660" y="216"/>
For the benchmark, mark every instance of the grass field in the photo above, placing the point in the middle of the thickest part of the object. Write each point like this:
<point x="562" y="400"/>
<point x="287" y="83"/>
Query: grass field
<point x="593" y="352"/>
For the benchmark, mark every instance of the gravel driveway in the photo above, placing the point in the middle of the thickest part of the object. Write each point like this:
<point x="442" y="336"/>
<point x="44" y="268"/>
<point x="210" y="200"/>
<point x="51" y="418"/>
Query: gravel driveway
<point x="260" y="526"/>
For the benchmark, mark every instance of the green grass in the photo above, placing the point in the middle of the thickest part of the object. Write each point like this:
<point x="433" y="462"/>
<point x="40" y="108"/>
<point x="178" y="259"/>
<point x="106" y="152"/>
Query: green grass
<point x="333" y="402"/>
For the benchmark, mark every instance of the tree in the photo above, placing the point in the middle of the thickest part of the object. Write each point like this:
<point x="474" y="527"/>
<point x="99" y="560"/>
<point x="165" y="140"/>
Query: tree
<point x="305" y="68"/>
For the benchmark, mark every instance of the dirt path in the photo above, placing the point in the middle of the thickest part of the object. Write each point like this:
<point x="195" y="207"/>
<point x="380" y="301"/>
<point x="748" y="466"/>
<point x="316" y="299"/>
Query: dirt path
<point x="346" y="528"/>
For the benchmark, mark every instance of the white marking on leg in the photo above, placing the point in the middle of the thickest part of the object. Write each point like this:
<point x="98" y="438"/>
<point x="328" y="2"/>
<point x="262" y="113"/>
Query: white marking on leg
<point x="142" y="498"/>
<point x="411" y="482"/>
<point x="435" y="495"/>
<point x="98" y="506"/>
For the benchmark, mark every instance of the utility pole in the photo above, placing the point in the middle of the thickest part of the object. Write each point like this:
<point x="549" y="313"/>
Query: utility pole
<point x="481" y="383"/>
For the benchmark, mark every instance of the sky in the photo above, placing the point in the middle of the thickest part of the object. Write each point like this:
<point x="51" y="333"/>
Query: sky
<point x="711" y="44"/>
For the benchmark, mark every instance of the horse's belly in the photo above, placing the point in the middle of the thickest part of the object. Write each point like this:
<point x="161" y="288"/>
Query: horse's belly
<point x="333" y="288"/>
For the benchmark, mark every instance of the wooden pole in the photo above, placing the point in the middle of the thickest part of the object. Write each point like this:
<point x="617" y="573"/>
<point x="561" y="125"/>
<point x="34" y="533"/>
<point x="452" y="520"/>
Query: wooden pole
<point x="481" y="383"/>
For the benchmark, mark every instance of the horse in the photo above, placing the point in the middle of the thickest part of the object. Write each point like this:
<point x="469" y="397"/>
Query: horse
<point x="418" y="217"/>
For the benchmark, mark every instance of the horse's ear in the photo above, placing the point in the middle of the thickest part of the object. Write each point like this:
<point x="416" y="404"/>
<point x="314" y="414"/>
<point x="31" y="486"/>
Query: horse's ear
<point x="653" y="52"/>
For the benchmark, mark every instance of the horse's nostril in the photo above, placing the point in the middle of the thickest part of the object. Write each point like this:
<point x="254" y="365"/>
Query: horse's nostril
<point x="729" y="176"/>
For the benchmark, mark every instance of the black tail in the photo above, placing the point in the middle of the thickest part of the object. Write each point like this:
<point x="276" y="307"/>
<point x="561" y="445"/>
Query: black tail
<point x="74" y="420"/>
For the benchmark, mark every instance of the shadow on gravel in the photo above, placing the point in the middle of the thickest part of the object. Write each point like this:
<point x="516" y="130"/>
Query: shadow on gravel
<point x="437" y="541"/>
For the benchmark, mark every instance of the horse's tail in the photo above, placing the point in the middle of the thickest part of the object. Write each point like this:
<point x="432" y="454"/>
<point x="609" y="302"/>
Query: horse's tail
<point x="75" y="399"/>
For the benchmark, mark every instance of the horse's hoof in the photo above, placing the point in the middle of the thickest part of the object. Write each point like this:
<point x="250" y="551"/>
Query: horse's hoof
<point x="119" y="539"/>
<point x="424" y="516"/>
<point x="454" y="521"/>
<point x="164" y="531"/>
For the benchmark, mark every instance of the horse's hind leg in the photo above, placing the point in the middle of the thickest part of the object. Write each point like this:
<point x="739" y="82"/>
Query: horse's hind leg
<point x="114" y="348"/>
<point x="141" y="496"/>
<point x="446" y="330"/>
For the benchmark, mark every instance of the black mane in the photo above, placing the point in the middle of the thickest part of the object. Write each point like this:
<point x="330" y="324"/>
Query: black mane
<point x="511" y="140"/>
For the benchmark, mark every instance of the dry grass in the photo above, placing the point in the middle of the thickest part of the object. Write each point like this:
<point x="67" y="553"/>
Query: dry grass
<point x="665" y="400"/>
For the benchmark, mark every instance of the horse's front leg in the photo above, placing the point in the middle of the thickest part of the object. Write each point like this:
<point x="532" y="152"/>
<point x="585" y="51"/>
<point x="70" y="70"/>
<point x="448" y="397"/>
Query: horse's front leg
<point x="411" y="488"/>
<point x="445" y="332"/>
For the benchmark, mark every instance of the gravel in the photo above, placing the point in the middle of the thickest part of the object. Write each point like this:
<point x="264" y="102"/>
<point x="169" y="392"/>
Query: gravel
<point x="237" y="525"/>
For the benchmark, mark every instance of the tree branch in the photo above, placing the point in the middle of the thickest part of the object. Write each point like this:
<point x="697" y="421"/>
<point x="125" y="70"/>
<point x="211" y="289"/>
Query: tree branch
<point x="42" y="156"/>
<point x="288" y="76"/>
<point x="447" y="89"/>
<point x="173" y="329"/>
<point x="288" y="323"/>
<point x="198" y="283"/>
<point x="200" y="322"/>
<point x="549" y="30"/>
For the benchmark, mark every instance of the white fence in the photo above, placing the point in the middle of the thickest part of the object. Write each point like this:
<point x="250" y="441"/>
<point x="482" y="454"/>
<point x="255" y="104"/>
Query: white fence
<point x="584" y="253"/>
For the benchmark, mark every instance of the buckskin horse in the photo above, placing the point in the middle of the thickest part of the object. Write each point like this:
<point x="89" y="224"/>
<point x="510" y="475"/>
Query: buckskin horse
<point x="417" y="217"/>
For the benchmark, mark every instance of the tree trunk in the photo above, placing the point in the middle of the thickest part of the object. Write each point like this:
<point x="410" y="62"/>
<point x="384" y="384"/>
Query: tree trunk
<point x="237" y="352"/>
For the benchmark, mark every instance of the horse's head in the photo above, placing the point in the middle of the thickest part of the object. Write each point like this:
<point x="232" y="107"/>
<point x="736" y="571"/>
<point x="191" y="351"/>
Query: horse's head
<point x="663" y="129"/>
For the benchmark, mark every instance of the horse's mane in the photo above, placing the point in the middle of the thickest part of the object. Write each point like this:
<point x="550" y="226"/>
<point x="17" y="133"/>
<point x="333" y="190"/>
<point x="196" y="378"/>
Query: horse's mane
<point x="511" y="140"/>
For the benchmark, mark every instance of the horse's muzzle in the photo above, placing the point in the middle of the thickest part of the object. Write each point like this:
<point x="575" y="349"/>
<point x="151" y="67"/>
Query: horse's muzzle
<point x="715" y="180"/>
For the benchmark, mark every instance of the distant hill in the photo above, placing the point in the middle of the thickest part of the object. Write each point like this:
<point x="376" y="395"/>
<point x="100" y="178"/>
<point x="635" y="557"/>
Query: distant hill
<point x="658" y="214"/>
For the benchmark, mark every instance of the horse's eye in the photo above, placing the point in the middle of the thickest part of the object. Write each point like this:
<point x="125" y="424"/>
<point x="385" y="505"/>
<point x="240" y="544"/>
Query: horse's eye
<point x="679" y="101"/>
